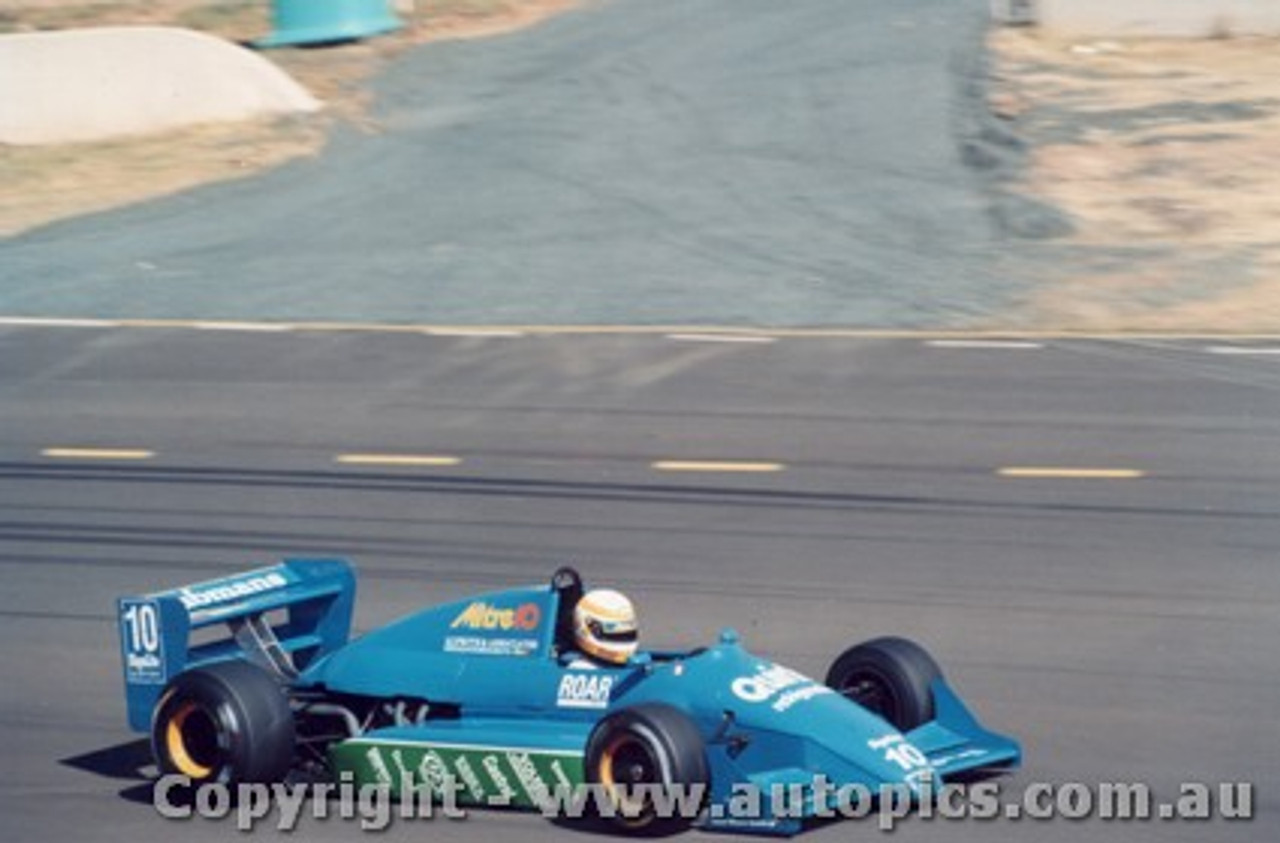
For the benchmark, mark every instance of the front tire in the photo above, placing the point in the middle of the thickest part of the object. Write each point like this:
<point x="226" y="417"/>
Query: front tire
<point x="228" y="722"/>
<point x="648" y="746"/>
<point x="891" y="677"/>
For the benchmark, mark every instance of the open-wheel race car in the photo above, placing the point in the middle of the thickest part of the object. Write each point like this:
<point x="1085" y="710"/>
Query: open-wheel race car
<point x="253" y="678"/>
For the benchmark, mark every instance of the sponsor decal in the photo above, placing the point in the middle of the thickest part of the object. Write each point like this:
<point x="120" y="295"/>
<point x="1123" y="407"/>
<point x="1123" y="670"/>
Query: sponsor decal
<point x="527" y="773"/>
<point x="142" y="663"/>
<point x="222" y="591"/>
<point x="433" y="772"/>
<point x="481" y="615"/>
<point x="797" y="695"/>
<point x="378" y="765"/>
<point x="584" y="690"/>
<point x="475" y="645"/>
<point x="965" y="755"/>
<point x="784" y="686"/>
<point x="493" y="775"/>
<point x="898" y="750"/>
<point x="493" y="767"/>
<point x="719" y="820"/>
<point x="406" y="775"/>
<point x="562" y="778"/>
<point x="143" y="644"/>
<point x="468" y="775"/>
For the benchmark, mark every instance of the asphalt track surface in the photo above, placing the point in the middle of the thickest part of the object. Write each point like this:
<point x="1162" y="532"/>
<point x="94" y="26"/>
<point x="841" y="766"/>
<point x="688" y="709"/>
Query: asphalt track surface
<point x="632" y="162"/>
<point x="1122" y="626"/>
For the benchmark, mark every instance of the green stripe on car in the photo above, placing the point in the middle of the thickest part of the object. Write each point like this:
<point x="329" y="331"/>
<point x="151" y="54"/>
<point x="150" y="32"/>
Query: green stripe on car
<point x="483" y="775"/>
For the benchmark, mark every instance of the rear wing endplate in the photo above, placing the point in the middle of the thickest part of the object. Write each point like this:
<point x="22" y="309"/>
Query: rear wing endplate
<point x="282" y="617"/>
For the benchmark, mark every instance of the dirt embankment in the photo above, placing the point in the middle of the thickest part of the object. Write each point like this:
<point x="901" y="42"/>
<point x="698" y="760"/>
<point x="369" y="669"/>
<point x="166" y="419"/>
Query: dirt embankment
<point x="1164" y="154"/>
<point x="39" y="185"/>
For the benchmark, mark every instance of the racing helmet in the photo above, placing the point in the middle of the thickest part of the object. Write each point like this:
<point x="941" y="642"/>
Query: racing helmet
<point x="604" y="625"/>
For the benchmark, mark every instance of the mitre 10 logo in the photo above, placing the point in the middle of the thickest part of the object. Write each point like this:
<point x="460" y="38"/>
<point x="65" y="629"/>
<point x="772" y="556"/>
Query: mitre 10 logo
<point x="481" y="615"/>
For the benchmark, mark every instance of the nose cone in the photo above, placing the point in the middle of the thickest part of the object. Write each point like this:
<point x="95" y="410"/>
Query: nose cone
<point x="798" y="722"/>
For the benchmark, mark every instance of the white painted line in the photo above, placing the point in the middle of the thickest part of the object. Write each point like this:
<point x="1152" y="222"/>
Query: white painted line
<point x="1242" y="350"/>
<point x="735" y="333"/>
<point x="397" y="459"/>
<point x="42" y="322"/>
<point x="97" y="454"/>
<point x="995" y="344"/>
<point x="712" y="466"/>
<point x="1064" y="473"/>
<point x="484" y="747"/>
<point x="473" y="332"/>
<point x="263" y="327"/>
<point x="744" y="338"/>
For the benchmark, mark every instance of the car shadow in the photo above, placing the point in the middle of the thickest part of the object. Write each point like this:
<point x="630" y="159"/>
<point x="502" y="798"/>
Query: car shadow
<point x="597" y="827"/>
<point x="130" y="761"/>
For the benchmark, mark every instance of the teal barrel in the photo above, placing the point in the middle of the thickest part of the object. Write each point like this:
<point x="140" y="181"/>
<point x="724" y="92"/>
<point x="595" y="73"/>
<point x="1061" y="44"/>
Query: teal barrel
<point x="322" y="21"/>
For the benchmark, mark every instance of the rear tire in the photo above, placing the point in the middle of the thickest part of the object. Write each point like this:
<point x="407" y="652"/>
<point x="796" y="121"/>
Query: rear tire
<point x="891" y="677"/>
<point x="228" y="722"/>
<point x="648" y="744"/>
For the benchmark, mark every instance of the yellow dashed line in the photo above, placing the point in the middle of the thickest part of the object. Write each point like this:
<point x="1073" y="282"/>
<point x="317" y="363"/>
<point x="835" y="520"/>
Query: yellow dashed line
<point x="703" y="465"/>
<point x="1051" y="472"/>
<point x="97" y="454"/>
<point x="397" y="459"/>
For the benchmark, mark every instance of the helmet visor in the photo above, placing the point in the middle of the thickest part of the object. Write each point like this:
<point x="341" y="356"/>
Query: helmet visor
<point x="622" y="633"/>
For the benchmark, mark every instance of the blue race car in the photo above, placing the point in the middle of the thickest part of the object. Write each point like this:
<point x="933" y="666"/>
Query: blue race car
<point x="253" y="678"/>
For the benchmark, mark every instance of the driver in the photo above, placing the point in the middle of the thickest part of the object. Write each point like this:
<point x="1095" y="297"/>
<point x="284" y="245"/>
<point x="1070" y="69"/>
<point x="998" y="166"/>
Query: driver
<point x="604" y="626"/>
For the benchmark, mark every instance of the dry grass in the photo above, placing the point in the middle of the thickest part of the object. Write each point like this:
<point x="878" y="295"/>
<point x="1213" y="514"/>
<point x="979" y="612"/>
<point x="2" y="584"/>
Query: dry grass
<point x="1168" y="147"/>
<point x="39" y="185"/>
<point x="42" y="184"/>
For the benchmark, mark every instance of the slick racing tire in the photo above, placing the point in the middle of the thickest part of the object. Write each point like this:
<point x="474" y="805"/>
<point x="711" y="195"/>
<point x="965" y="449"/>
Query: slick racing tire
<point x="891" y="677"/>
<point x="635" y="751"/>
<point x="228" y="722"/>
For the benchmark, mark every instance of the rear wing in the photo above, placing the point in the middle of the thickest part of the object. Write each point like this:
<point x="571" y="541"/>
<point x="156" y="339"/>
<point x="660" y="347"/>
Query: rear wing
<point x="282" y="617"/>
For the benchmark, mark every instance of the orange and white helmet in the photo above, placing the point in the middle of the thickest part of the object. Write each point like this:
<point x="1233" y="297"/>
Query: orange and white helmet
<point x="604" y="625"/>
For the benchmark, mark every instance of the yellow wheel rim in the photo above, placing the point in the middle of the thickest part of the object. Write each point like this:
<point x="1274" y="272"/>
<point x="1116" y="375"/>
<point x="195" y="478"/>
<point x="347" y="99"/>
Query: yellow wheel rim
<point x="606" y="761"/>
<point x="633" y="813"/>
<point x="175" y="741"/>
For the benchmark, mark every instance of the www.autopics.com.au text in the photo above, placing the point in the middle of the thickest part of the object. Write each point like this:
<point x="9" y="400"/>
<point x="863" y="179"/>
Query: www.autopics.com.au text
<point x="376" y="806"/>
